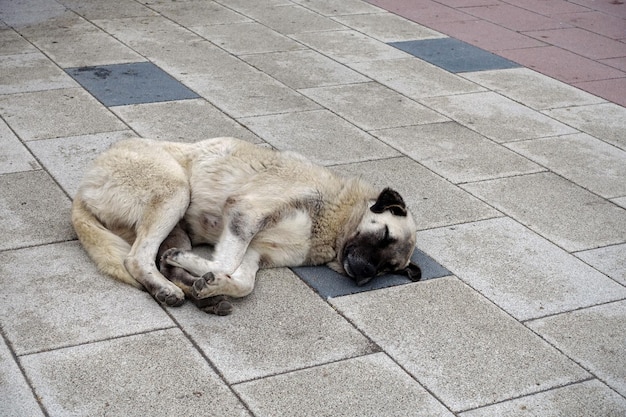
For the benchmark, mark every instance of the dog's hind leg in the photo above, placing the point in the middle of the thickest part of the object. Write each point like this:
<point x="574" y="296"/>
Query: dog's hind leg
<point x="178" y="238"/>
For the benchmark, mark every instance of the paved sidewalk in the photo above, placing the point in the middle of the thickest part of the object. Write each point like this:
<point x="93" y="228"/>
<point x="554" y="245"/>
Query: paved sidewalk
<point x="517" y="181"/>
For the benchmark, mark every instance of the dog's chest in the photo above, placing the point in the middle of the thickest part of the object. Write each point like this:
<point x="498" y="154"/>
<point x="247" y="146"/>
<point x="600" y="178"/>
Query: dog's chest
<point x="285" y="243"/>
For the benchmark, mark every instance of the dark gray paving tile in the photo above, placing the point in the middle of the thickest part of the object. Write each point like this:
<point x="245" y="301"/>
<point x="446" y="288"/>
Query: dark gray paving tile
<point x="329" y="283"/>
<point x="454" y="55"/>
<point x="134" y="83"/>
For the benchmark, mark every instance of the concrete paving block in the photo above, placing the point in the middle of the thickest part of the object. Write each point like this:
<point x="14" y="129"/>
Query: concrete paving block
<point x="178" y="121"/>
<point x="304" y="69"/>
<point x="12" y="43"/>
<point x="247" y="38"/>
<point x="521" y="272"/>
<point x="291" y="19"/>
<point x="31" y="72"/>
<point x="37" y="11"/>
<point x="433" y="201"/>
<point x="16" y="397"/>
<point x="589" y="398"/>
<point x="349" y="46"/>
<point x="67" y="159"/>
<point x="593" y="337"/>
<point x="198" y="12"/>
<point x="56" y="113"/>
<point x="497" y="117"/>
<point x="254" y="94"/>
<point x="388" y="27"/>
<point x="459" y="346"/>
<point x="111" y="9"/>
<point x="372" y="106"/>
<point x="610" y="260"/>
<point x="53" y="296"/>
<point x="456" y="152"/>
<point x="583" y="159"/>
<point x="320" y="135"/>
<point x="157" y="374"/>
<point x="34" y="210"/>
<point x="557" y="209"/>
<point x="606" y="121"/>
<point x="535" y="90"/>
<point x="71" y="41"/>
<point x="333" y="8"/>
<point x="14" y="156"/>
<point x="281" y="326"/>
<point x="370" y="385"/>
<point x="620" y="201"/>
<point x="415" y="78"/>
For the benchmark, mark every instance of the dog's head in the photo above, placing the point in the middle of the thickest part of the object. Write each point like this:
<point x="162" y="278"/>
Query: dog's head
<point x="382" y="243"/>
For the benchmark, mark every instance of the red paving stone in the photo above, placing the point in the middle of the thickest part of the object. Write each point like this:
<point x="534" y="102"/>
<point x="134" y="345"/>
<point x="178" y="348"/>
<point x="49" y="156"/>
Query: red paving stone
<point x="561" y="64"/>
<point x="613" y="90"/>
<point x="580" y="42"/>
<point x="515" y="18"/>
<point x="487" y="35"/>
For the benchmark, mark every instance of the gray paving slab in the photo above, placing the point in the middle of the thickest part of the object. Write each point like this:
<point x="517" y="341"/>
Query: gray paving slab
<point x="34" y="210"/>
<point x="349" y="46"/>
<point x="415" y="78"/>
<point x="321" y="135"/>
<point x="247" y="38"/>
<point x="31" y="72"/>
<point x="71" y="41"/>
<point x="282" y="326"/>
<point x="199" y="12"/>
<point x="371" y="385"/>
<point x="387" y="27"/>
<point x="589" y="398"/>
<point x="610" y="260"/>
<point x="620" y="201"/>
<point x="459" y="346"/>
<point x="582" y="159"/>
<point x="158" y="373"/>
<point x="16" y="396"/>
<point x="594" y="337"/>
<point x="37" y="11"/>
<point x="291" y="18"/>
<point x="433" y="201"/>
<point x="334" y="8"/>
<point x="67" y="159"/>
<point x="111" y="9"/>
<point x="521" y="272"/>
<point x="372" y="106"/>
<point x="304" y="69"/>
<point x="56" y="113"/>
<point x="497" y="117"/>
<point x="182" y="121"/>
<point x="456" y="152"/>
<point x="557" y="209"/>
<point x="53" y="297"/>
<point x="535" y="90"/>
<point x="605" y="121"/>
<point x="14" y="156"/>
<point x="12" y="43"/>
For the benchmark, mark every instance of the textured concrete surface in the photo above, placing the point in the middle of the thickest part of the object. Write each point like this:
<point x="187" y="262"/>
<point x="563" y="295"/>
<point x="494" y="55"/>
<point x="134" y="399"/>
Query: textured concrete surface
<point x="515" y="177"/>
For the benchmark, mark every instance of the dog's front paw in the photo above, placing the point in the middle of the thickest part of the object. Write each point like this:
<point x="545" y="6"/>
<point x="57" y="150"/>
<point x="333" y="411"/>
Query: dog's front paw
<point x="205" y="286"/>
<point x="172" y="297"/>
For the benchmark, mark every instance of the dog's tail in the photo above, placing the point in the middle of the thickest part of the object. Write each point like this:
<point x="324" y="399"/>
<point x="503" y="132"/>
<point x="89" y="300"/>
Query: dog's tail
<point x="105" y="248"/>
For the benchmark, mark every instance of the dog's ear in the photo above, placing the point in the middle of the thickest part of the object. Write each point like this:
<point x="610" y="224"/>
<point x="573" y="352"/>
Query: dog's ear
<point x="412" y="271"/>
<point x="390" y="200"/>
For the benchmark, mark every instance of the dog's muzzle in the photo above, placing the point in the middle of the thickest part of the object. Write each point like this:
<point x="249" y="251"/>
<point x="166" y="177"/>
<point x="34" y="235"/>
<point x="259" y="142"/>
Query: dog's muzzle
<point x="358" y="269"/>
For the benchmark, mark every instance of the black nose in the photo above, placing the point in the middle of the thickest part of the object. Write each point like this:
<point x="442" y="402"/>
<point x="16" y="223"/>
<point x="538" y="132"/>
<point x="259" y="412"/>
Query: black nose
<point x="362" y="272"/>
